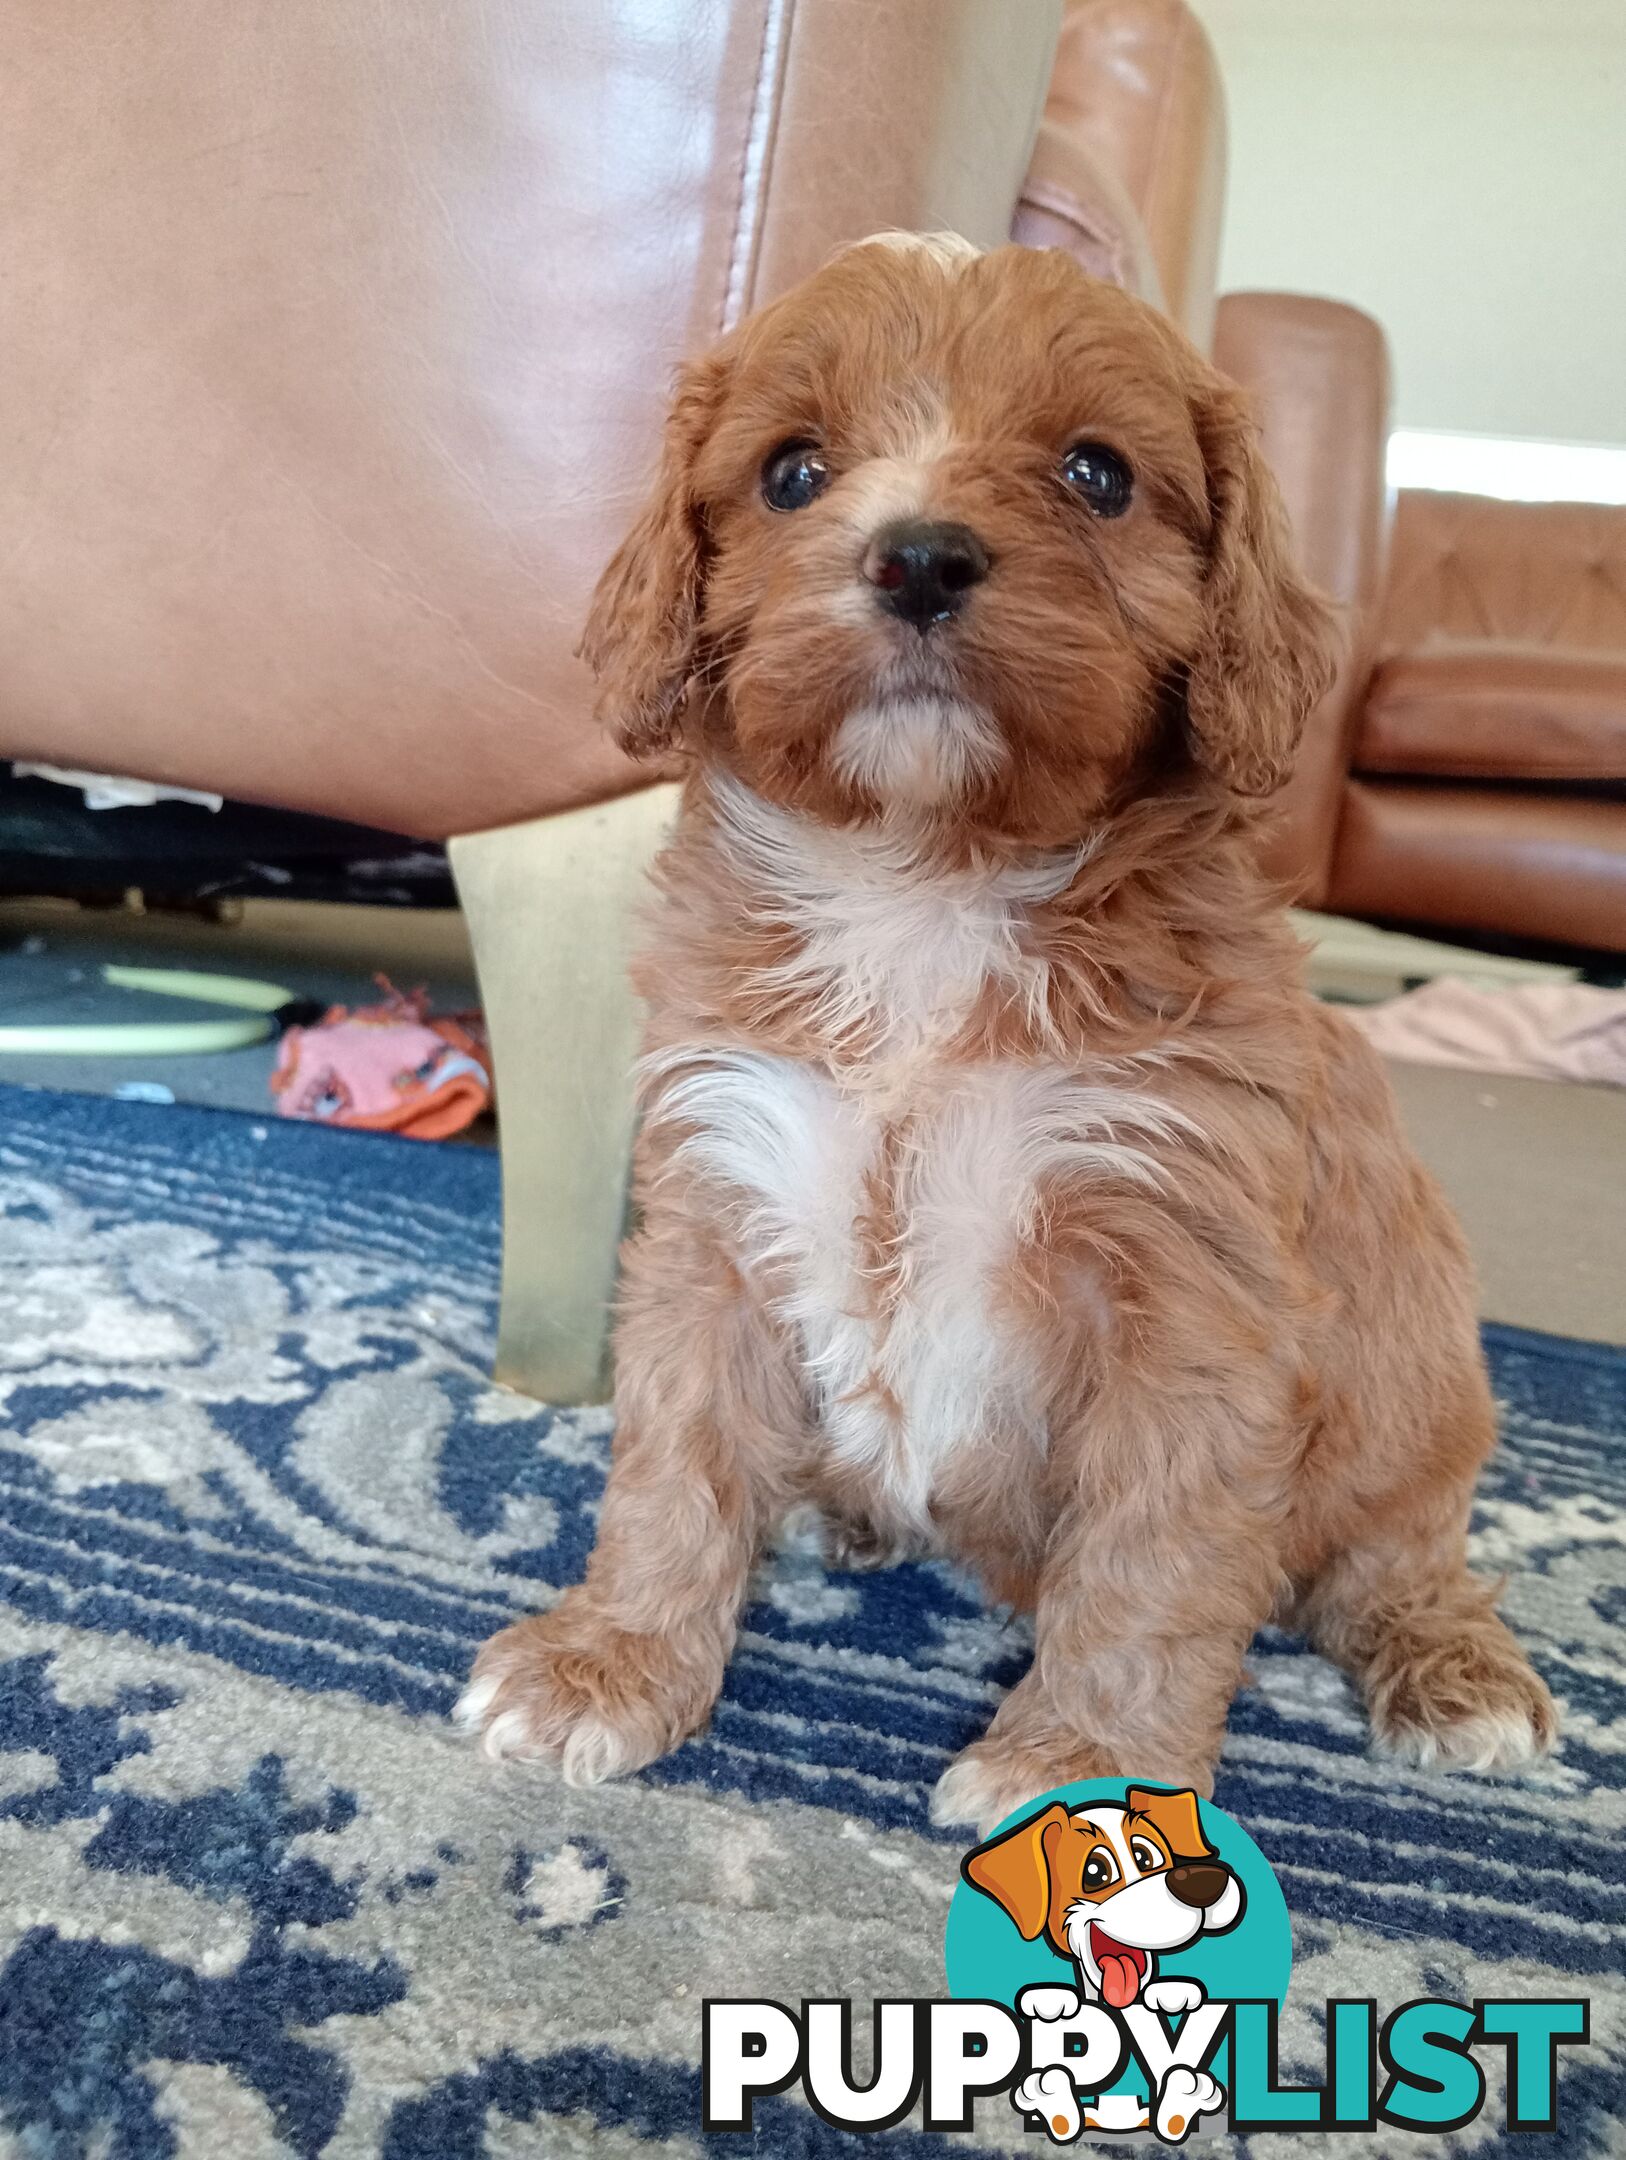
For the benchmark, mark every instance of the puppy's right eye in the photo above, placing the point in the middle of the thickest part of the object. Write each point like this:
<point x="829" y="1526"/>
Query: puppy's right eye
<point x="794" y="475"/>
<point x="1099" y="1870"/>
<point x="1099" y="477"/>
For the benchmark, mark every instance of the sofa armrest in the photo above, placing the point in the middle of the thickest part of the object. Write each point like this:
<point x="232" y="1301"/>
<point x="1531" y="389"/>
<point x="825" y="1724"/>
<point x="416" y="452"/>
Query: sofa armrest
<point x="1319" y="374"/>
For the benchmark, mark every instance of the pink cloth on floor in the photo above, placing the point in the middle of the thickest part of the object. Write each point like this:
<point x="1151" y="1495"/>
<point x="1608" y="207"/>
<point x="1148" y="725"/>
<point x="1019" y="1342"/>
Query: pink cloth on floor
<point x="388" y="1067"/>
<point x="1546" y="1031"/>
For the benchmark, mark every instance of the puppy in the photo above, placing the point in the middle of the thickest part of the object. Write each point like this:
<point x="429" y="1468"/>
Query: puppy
<point x="1001" y="1188"/>
<point x="1110" y="1887"/>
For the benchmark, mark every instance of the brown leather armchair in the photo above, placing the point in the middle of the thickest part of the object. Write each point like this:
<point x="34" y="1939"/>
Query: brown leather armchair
<point x="1486" y="787"/>
<point x="335" y="360"/>
<point x="1468" y="769"/>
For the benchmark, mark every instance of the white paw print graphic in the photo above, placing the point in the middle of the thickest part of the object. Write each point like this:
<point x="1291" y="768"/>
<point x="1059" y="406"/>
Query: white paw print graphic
<point x="1173" y="1998"/>
<point x="1049" y="2094"/>
<point x="1047" y="2003"/>
<point x="1184" y="2096"/>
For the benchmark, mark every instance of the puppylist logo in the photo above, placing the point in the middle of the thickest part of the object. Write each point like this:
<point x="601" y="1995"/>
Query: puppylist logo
<point x="1117" y="1956"/>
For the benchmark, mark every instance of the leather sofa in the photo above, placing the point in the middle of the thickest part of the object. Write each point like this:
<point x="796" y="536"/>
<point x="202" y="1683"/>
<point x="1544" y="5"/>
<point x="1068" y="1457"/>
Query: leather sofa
<point x="1486" y="781"/>
<point x="1467" y="772"/>
<point x="336" y="354"/>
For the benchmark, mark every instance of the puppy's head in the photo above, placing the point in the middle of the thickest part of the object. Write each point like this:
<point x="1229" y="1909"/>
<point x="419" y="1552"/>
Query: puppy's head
<point x="1110" y="1886"/>
<point x="972" y="536"/>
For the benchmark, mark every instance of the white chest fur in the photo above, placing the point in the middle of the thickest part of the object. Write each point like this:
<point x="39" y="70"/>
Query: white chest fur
<point x="889" y="1195"/>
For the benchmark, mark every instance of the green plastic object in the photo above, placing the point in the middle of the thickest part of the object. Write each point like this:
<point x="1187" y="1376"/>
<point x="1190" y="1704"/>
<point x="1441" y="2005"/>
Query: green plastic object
<point x="159" y="1038"/>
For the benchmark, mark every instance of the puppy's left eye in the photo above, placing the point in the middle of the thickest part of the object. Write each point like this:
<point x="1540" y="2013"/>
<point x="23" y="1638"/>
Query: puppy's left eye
<point x="794" y="475"/>
<point x="1146" y="1857"/>
<point x="1100" y="476"/>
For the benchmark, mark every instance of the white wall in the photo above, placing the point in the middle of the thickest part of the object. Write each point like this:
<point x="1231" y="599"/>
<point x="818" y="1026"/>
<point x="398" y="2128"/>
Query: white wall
<point x="1456" y="167"/>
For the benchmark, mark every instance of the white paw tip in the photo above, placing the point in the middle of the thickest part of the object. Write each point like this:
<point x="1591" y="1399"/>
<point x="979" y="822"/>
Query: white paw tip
<point x="596" y="1751"/>
<point x="1047" y="2003"/>
<point x="962" y="1795"/>
<point x="1506" y="1741"/>
<point x="507" y="1734"/>
<point x="1172" y="1998"/>
<point x="468" y="1712"/>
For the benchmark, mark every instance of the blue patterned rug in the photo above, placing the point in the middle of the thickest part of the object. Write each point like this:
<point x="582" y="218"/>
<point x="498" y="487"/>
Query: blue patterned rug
<point x="261" y="1506"/>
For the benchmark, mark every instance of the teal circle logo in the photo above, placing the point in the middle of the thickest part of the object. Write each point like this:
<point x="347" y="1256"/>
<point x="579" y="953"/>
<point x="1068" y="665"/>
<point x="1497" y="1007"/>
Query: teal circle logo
<point x="1123" y="1894"/>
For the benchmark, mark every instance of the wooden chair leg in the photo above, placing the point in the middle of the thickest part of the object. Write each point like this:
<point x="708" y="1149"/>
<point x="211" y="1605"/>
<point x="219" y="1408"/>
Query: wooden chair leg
<point x="551" y="906"/>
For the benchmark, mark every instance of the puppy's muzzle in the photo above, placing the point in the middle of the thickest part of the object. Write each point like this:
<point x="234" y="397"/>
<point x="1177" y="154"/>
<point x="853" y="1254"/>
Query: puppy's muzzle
<point x="922" y="572"/>
<point x="1198" y="1884"/>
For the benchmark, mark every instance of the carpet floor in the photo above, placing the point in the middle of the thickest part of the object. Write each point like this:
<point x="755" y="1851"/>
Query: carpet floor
<point x="260" y="1505"/>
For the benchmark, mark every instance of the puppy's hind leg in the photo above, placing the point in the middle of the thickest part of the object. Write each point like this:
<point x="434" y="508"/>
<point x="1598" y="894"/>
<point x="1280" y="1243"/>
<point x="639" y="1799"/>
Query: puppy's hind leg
<point x="1444" y="1682"/>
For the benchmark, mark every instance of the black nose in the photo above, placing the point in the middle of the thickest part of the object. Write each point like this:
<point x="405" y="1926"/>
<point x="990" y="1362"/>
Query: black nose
<point x="922" y="572"/>
<point x="1198" y="1884"/>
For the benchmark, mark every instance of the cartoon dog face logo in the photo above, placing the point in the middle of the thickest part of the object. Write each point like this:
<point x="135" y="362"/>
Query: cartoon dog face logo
<point x="1110" y="1885"/>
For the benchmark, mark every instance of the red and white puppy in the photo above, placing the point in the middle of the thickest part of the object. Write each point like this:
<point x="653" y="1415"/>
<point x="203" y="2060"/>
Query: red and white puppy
<point x="1002" y="1190"/>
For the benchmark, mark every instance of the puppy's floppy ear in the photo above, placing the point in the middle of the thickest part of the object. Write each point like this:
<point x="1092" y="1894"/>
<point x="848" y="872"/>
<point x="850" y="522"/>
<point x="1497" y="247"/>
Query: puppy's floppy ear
<point x="1014" y="1869"/>
<point x="1176" y="1815"/>
<point x="1270" y="643"/>
<point x="642" y="633"/>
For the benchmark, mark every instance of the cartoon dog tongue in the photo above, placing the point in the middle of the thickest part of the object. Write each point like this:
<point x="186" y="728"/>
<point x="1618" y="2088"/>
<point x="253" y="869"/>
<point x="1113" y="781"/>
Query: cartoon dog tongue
<point x="1120" y="1970"/>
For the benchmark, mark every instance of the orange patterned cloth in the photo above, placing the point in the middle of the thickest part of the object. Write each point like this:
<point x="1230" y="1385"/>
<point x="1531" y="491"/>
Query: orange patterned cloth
<point x="387" y="1068"/>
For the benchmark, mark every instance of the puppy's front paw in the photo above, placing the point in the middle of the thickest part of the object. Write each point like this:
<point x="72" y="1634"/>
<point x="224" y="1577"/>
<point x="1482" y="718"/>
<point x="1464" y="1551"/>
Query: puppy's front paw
<point x="991" y="1780"/>
<point x="1474" y="1704"/>
<point x="1173" y="1998"/>
<point x="1047" y="2004"/>
<point x="570" y="1688"/>
<point x="1184" y="2096"/>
